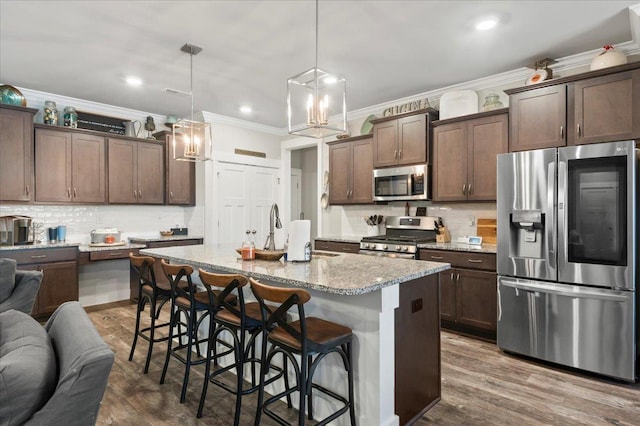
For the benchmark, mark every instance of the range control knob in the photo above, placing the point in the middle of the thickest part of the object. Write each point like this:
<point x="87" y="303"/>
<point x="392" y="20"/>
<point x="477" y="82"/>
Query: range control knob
<point x="386" y="247"/>
<point x="398" y="248"/>
<point x="405" y="248"/>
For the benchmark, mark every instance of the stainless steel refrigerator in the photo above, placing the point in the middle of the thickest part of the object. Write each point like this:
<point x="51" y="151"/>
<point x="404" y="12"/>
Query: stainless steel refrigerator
<point x="567" y="256"/>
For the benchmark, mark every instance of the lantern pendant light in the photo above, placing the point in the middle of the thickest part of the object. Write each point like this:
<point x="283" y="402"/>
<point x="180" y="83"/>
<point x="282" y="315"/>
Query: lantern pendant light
<point x="313" y="97"/>
<point x="192" y="140"/>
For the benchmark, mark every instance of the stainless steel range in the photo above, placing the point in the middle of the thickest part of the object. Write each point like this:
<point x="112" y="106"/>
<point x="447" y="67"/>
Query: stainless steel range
<point x="403" y="234"/>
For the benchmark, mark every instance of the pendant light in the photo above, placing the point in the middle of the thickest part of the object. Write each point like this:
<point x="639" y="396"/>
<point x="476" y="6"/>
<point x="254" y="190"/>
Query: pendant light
<point x="313" y="97"/>
<point x="192" y="140"/>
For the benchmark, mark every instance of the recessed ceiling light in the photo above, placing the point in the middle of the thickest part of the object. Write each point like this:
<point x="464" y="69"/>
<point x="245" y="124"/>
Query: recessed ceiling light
<point x="486" y="24"/>
<point x="245" y="109"/>
<point x="133" y="81"/>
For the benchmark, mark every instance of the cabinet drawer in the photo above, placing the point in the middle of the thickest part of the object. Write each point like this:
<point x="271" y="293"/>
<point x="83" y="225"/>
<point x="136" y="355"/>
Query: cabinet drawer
<point x="159" y="244"/>
<point x="111" y="254"/>
<point x="461" y="259"/>
<point x="41" y="255"/>
<point x="339" y="247"/>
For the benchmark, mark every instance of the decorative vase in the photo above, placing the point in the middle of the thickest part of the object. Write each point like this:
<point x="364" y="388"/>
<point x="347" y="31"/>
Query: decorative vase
<point x="609" y="58"/>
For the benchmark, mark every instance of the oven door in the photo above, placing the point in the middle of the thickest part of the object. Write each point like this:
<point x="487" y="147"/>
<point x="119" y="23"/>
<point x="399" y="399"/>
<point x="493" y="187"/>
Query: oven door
<point x="387" y="254"/>
<point x="596" y="214"/>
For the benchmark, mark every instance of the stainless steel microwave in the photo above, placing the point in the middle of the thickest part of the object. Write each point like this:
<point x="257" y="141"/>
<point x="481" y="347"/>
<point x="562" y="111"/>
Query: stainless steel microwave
<point x="402" y="183"/>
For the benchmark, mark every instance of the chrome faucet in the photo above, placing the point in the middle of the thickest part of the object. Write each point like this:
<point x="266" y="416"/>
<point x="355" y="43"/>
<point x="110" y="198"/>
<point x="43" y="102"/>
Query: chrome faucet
<point x="274" y="220"/>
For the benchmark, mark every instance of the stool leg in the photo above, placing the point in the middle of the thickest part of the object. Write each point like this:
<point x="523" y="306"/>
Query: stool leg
<point x="310" y="387"/>
<point x="263" y="367"/>
<point x="207" y="371"/>
<point x="285" y="369"/>
<point x="152" y="311"/>
<point x="187" y="365"/>
<point x="175" y="317"/>
<point x="135" y="335"/>
<point x="239" y="354"/>
<point x="302" y="385"/>
<point x="352" y="408"/>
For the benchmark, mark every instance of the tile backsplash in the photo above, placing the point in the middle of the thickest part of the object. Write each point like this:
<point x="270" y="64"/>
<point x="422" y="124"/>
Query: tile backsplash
<point x="80" y="220"/>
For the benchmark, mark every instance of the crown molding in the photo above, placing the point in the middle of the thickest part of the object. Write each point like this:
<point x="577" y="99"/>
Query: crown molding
<point x="213" y="118"/>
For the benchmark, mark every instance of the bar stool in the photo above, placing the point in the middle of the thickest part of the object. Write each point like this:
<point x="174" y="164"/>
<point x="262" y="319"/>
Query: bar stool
<point x="236" y="321"/>
<point x="195" y="307"/>
<point x="156" y="295"/>
<point x="312" y="339"/>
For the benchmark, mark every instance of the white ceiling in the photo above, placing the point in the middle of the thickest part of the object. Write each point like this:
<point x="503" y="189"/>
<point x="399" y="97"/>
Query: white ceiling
<point x="387" y="50"/>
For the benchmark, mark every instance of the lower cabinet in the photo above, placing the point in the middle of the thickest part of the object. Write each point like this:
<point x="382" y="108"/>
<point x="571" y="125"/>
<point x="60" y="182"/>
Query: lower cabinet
<point x="343" y="247"/>
<point x="468" y="295"/>
<point x="60" y="280"/>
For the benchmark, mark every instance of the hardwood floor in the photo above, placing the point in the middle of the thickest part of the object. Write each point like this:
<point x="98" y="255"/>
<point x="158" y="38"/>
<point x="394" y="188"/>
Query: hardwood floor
<point x="480" y="386"/>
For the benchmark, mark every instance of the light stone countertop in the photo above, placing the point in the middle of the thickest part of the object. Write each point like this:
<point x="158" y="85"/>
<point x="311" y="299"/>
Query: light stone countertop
<point x="143" y="240"/>
<point x="40" y="246"/>
<point x="484" y="248"/>
<point x="345" y="274"/>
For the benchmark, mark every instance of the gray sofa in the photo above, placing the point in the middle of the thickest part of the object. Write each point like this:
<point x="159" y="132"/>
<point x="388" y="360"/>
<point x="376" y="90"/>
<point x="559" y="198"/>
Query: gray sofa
<point x="18" y="289"/>
<point x="52" y="375"/>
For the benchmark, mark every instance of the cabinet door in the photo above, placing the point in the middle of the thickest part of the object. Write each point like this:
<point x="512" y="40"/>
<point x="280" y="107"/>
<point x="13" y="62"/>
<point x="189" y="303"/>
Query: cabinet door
<point x="181" y="182"/>
<point x="476" y="299"/>
<point x="340" y="163"/>
<point x="362" y="179"/>
<point x="16" y="155"/>
<point x="53" y="166"/>
<point x="123" y="171"/>
<point x="537" y="118"/>
<point x="385" y="144"/>
<point x="450" y="162"/>
<point x="150" y="173"/>
<point x="412" y="139"/>
<point x="448" y="295"/>
<point x="88" y="174"/>
<point x="488" y="138"/>
<point x="59" y="285"/>
<point x="606" y="108"/>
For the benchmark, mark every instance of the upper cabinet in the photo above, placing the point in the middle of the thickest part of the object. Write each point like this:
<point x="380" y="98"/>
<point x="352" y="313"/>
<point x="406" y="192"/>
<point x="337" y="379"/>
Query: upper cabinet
<point x="181" y="176"/>
<point x="351" y="171"/>
<point x="465" y="153"/>
<point x="70" y="167"/>
<point x="401" y="140"/>
<point x="598" y="106"/>
<point x="136" y="171"/>
<point x="16" y="153"/>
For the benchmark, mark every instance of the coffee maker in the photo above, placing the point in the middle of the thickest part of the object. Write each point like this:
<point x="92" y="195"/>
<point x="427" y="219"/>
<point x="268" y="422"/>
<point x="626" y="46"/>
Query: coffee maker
<point x="15" y="230"/>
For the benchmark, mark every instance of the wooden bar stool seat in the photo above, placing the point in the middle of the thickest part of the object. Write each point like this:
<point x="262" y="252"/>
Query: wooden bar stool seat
<point x="312" y="339"/>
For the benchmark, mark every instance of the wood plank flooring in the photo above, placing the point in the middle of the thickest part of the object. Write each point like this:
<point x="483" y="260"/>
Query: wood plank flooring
<point x="480" y="386"/>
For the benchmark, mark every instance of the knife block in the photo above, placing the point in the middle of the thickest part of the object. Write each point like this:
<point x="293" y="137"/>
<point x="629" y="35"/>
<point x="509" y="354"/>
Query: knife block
<point x="444" y="236"/>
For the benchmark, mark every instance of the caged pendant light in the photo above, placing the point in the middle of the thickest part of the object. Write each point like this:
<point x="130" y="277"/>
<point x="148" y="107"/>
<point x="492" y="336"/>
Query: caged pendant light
<point x="314" y="96"/>
<point x="192" y="140"/>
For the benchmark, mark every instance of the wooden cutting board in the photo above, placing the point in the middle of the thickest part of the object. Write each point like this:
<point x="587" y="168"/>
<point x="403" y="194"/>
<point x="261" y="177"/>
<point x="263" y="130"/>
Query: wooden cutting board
<point x="486" y="228"/>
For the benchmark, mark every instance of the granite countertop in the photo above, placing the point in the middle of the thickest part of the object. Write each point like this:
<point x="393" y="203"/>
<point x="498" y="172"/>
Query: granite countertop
<point x="84" y="248"/>
<point x="40" y="246"/>
<point x="484" y="248"/>
<point x="341" y="238"/>
<point x="345" y="274"/>
<point x="142" y="240"/>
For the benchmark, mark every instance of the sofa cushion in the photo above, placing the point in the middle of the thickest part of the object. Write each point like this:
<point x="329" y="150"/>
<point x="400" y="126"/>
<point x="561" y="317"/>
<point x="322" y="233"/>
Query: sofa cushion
<point x="7" y="278"/>
<point x="28" y="369"/>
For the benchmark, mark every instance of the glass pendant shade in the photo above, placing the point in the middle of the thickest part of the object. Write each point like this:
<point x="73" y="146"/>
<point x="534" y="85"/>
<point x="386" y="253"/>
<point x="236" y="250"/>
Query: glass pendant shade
<point x="192" y="141"/>
<point x="313" y="97"/>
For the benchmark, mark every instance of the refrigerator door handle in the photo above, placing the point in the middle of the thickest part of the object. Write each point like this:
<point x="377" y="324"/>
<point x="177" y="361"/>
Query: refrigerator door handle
<point x="554" y="289"/>
<point x="551" y="227"/>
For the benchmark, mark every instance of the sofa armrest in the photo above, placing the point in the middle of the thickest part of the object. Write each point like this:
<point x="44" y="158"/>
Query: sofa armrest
<point x="27" y="284"/>
<point x="84" y="363"/>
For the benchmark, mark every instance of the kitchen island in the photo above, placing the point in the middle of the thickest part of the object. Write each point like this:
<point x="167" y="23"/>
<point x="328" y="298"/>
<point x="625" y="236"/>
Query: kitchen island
<point x="392" y="306"/>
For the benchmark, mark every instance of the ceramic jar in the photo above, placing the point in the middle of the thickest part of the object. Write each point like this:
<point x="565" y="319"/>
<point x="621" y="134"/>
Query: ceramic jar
<point x="609" y="58"/>
<point x="491" y="102"/>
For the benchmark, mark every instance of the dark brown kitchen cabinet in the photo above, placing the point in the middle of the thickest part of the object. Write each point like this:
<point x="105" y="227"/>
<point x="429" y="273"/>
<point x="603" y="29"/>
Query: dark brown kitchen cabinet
<point x="70" y="167"/>
<point x="136" y="172"/>
<point x="597" y="106"/>
<point x="402" y="140"/>
<point x="181" y="176"/>
<point x="351" y="171"/>
<point x="16" y="153"/>
<point x="468" y="291"/>
<point x="60" y="275"/>
<point x="465" y="156"/>
<point x="339" y="246"/>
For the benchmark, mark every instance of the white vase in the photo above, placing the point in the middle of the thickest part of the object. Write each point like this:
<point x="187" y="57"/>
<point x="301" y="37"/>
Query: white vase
<point x="608" y="58"/>
<point x="373" y="230"/>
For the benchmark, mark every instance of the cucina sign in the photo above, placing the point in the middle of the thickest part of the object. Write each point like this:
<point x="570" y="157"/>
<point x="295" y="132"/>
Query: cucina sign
<point x="406" y="107"/>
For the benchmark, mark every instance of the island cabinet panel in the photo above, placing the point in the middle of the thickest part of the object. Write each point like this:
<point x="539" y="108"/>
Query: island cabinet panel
<point x="403" y="140"/>
<point x="351" y="171"/>
<point x="465" y="157"/>
<point x="342" y="247"/>
<point x="16" y="153"/>
<point x="136" y="172"/>
<point x="70" y="167"/>
<point x="417" y="360"/>
<point x="60" y="275"/>
<point x="468" y="291"/>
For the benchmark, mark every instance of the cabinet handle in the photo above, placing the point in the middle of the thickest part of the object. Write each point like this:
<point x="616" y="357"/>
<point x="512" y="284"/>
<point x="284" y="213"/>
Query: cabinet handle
<point x="171" y="194"/>
<point x="27" y="189"/>
<point x="562" y="132"/>
<point x="350" y="193"/>
<point x="474" y="260"/>
<point x="68" y="192"/>
<point x="457" y="277"/>
<point x="347" y="193"/>
<point x="400" y="154"/>
<point x="139" y="194"/>
<point x="464" y="189"/>
<point x="437" y="257"/>
<point x="117" y="253"/>
<point x="452" y="277"/>
<point x="470" y="189"/>
<point x="39" y="256"/>
<point x="395" y="154"/>
<point x="74" y="193"/>
<point x="579" y="130"/>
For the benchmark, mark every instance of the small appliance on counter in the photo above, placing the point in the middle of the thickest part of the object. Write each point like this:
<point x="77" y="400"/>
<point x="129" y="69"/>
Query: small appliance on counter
<point x="105" y="236"/>
<point x="15" y="230"/>
<point x="299" y="246"/>
<point x="180" y="231"/>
